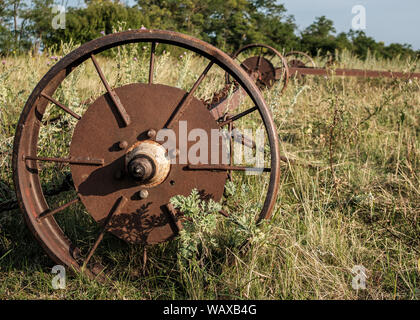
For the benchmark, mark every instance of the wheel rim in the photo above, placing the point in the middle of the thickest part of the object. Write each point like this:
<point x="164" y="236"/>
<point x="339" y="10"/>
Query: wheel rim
<point x="294" y="60"/>
<point x="267" y="72"/>
<point x="26" y="176"/>
<point x="298" y="59"/>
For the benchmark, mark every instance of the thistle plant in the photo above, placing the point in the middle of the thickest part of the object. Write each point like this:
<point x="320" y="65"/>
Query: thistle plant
<point x="197" y="237"/>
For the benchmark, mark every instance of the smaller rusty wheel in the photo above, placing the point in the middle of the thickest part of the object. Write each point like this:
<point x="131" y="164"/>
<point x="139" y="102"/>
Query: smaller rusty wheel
<point x="264" y="64"/>
<point x="123" y="179"/>
<point x="298" y="59"/>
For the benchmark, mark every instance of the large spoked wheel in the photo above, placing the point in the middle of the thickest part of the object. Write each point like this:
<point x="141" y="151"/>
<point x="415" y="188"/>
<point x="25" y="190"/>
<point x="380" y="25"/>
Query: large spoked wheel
<point x="264" y="64"/>
<point x="122" y="174"/>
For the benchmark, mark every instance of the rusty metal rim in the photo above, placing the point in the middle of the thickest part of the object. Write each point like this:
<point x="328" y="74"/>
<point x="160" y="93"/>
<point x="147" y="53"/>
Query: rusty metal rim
<point x="27" y="185"/>
<point x="285" y="65"/>
<point x="307" y="56"/>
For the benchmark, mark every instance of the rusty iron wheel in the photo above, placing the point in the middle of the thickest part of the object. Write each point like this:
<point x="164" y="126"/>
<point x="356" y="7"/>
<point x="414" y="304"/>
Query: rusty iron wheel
<point x="116" y="175"/>
<point x="298" y="59"/>
<point x="261" y="66"/>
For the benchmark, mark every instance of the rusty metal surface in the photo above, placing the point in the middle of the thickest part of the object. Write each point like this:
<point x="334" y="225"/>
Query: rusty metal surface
<point x="29" y="193"/>
<point x="261" y="69"/>
<point x="112" y="94"/>
<point x="141" y="220"/>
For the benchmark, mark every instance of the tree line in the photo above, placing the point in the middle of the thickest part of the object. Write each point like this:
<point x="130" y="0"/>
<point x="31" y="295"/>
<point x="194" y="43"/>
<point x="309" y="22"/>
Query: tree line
<point x="228" y="24"/>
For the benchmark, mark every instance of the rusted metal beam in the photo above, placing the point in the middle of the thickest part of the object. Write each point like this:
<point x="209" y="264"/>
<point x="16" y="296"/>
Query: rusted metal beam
<point x="114" y="97"/>
<point x="179" y="111"/>
<point x="82" y="161"/>
<point x="353" y="73"/>
<point x="118" y="207"/>
<point x="238" y="116"/>
<point x="49" y="213"/>
<point x="60" y="105"/>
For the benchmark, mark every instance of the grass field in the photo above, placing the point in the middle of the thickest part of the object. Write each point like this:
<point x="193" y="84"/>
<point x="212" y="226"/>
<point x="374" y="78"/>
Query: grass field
<point x="357" y="205"/>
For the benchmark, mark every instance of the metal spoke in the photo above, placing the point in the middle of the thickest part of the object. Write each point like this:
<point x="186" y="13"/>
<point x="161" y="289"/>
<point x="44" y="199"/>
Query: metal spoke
<point x="225" y="168"/>
<point x="259" y="62"/>
<point x="60" y="105"/>
<point x="119" y="205"/>
<point x="49" y="213"/>
<point x="174" y="219"/>
<point x="238" y="116"/>
<point x="239" y="137"/>
<point x="245" y="67"/>
<point x="187" y="99"/>
<point x="114" y="97"/>
<point x="230" y="148"/>
<point x="85" y="161"/>
<point x="152" y="62"/>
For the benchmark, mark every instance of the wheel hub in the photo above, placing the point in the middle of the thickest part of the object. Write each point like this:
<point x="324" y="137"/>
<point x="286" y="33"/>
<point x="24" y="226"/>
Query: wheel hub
<point x="263" y="67"/>
<point x="146" y="162"/>
<point x="142" y="168"/>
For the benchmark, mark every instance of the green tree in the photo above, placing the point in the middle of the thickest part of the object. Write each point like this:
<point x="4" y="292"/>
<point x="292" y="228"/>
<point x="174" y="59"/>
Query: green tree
<point x="39" y="16"/>
<point x="273" y="26"/>
<point x="401" y="50"/>
<point x="362" y="44"/>
<point x="229" y="24"/>
<point x="5" y="35"/>
<point x="319" y="37"/>
<point x="343" y="41"/>
<point x="159" y="14"/>
<point x="14" y="35"/>
<point x="99" y="17"/>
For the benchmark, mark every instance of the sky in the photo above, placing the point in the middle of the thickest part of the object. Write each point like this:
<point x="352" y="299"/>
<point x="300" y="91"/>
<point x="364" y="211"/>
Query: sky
<point x="386" y="20"/>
